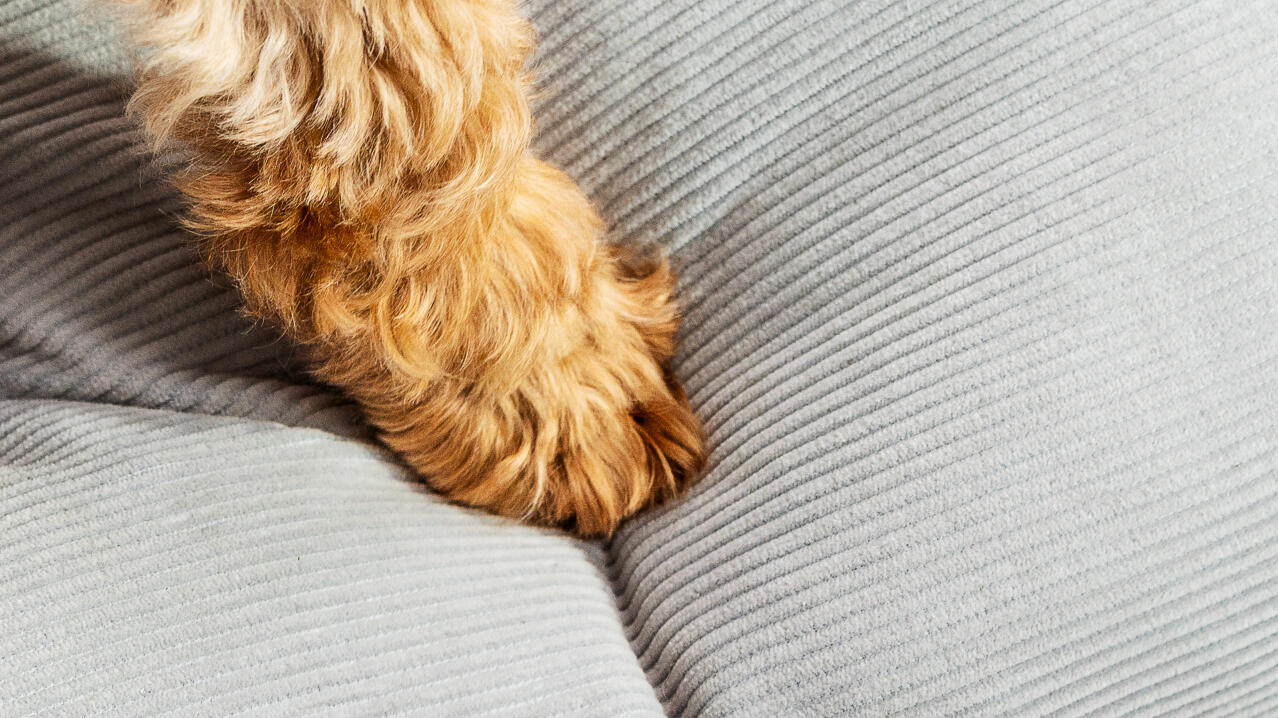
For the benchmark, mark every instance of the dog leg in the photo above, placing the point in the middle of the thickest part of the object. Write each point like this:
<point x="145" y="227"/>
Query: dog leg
<point x="360" y="168"/>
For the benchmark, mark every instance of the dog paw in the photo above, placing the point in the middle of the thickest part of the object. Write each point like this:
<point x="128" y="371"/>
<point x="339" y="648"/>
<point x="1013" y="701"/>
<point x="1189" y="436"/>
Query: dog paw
<point x="592" y="432"/>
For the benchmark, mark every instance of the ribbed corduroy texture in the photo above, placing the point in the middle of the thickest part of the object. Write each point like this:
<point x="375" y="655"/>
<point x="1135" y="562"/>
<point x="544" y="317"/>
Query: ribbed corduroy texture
<point x="163" y="563"/>
<point x="104" y="299"/>
<point x="981" y="315"/>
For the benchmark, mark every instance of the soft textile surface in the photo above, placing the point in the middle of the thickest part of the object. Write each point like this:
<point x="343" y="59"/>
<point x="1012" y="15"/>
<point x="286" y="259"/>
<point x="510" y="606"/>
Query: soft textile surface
<point x="981" y="304"/>
<point x="156" y="562"/>
<point x="983" y="316"/>
<point x="104" y="299"/>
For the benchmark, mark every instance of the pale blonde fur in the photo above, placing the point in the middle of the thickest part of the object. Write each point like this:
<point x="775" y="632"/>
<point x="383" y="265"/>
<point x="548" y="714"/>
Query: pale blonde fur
<point x="360" y="168"/>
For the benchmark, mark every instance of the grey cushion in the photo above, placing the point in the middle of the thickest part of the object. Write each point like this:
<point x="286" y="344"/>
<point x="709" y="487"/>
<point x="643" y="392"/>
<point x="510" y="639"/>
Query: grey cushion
<point x="983" y="317"/>
<point x="981" y="302"/>
<point x="158" y="562"/>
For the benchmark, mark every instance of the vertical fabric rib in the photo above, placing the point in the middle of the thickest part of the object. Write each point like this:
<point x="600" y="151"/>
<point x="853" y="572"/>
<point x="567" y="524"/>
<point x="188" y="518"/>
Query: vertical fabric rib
<point x="980" y="307"/>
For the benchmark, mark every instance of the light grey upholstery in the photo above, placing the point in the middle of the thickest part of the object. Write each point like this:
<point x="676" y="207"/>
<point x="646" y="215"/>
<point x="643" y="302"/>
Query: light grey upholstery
<point x="982" y="315"/>
<point x="162" y="562"/>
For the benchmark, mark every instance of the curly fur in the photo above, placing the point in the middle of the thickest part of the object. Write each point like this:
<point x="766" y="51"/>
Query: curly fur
<point x="361" y="169"/>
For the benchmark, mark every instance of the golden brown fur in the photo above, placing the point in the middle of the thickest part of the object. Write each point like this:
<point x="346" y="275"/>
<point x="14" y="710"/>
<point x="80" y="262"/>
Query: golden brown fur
<point x="361" y="169"/>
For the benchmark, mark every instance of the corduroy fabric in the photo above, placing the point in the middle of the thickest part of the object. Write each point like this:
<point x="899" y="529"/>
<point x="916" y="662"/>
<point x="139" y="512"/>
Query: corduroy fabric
<point x="981" y="302"/>
<point x="982" y="313"/>
<point x="164" y="563"/>
<point x="105" y="300"/>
